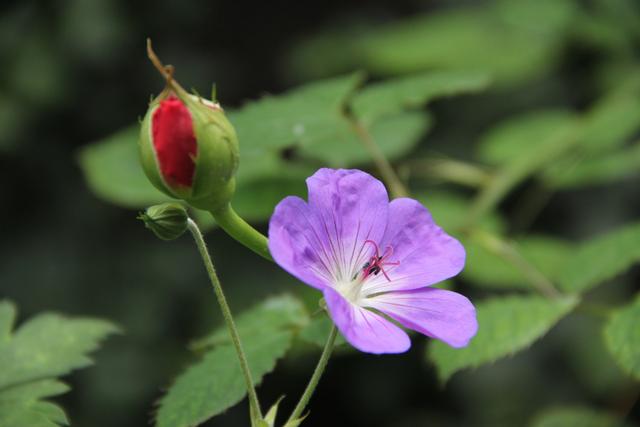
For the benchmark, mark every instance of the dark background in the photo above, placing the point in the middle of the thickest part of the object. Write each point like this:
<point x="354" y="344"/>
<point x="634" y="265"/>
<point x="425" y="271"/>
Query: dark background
<point x="76" y="71"/>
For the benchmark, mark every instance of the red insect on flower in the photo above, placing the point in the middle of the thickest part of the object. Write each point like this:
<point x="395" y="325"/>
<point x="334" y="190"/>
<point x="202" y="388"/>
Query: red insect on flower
<point x="376" y="263"/>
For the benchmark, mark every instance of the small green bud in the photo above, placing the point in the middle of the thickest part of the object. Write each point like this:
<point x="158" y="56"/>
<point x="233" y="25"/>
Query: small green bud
<point x="168" y="221"/>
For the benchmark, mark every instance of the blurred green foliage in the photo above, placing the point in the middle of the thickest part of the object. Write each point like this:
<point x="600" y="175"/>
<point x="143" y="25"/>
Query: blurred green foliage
<point x="515" y="122"/>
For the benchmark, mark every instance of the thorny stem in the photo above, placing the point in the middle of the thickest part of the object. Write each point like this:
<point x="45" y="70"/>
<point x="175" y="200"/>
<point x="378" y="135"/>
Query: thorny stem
<point x="315" y="378"/>
<point x="254" y="404"/>
<point x="396" y="187"/>
<point x="240" y="230"/>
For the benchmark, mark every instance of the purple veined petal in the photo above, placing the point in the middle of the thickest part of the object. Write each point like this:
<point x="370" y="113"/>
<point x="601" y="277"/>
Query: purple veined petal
<point x="437" y="313"/>
<point x="295" y="244"/>
<point x="353" y="207"/>
<point x="364" y="329"/>
<point x="427" y="254"/>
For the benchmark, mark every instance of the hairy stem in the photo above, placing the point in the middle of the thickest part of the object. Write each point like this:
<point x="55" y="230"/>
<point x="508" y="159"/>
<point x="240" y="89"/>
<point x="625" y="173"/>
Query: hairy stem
<point x="315" y="378"/>
<point x="240" y="230"/>
<point x="254" y="404"/>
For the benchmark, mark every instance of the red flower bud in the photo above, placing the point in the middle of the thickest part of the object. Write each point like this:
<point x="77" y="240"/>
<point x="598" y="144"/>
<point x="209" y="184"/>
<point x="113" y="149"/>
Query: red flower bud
<point x="175" y="142"/>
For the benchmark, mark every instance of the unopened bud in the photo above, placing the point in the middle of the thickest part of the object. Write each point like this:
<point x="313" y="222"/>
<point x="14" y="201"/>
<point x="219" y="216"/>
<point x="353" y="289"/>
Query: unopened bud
<point x="189" y="149"/>
<point x="168" y="221"/>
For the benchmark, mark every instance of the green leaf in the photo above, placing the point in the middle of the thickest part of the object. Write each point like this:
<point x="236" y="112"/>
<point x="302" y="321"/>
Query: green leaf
<point x="276" y="313"/>
<point x="21" y="405"/>
<point x="576" y="417"/>
<point x="596" y="170"/>
<point x="521" y="136"/>
<point x="622" y="335"/>
<point x="545" y="253"/>
<point x="395" y="95"/>
<point x="301" y="115"/>
<point x="216" y="383"/>
<point x="44" y="347"/>
<point x="395" y="135"/>
<point x="497" y="39"/>
<point x="50" y="345"/>
<point x="449" y="210"/>
<point x="112" y="170"/>
<point x="317" y="331"/>
<point x="506" y="326"/>
<point x="601" y="258"/>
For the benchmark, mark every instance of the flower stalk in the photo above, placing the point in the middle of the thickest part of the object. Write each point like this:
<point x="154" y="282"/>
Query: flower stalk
<point x="315" y="378"/>
<point x="254" y="404"/>
<point x="240" y="230"/>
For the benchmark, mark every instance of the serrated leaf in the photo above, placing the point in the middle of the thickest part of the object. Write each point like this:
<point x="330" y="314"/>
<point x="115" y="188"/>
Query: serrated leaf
<point x="601" y="258"/>
<point x="216" y="383"/>
<point x="395" y="95"/>
<point x="45" y="346"/>
<point x="21" y="405"/>
<point x="50" y="345"/>
<point x="545" y="253"/>
<point x="276" y="313"/>
<point x="301" y="115"/>
<point x="506" y="326"/>
<point x="576" y="416"/>
<point x="622" y="335"/>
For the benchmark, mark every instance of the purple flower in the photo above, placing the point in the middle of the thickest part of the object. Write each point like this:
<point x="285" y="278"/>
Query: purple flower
<point x="373" y="260"/>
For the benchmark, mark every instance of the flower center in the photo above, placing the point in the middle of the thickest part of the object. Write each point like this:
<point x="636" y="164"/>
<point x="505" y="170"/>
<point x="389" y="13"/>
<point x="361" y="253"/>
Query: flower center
<point x="352" y="289"/>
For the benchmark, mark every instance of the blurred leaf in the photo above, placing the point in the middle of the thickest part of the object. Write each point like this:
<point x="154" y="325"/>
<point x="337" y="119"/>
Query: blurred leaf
<point x="276" y="313"/>
<point x="449" y="211"/>
<point x="576" y="417"/>
<point x="21" y="405"/>
<point x="520" y="136"/>
<point x="303" y="115"/>
<point x="601" y="258"/>
<point x="622" y="335"/>
<point x="112" y="170"/>
<point x="216" y="383"/>
<point x="47" y="345"/>
<point x="44" y="347"/>
<point x="506" y="326"/>
<point x="597" y="170"/>
<point x="500" y="39"/>
<point x="545" y="253"/>
<point x="317" y="331"/>
<point x="396" y="95"/>
<point x="395" y="135"/>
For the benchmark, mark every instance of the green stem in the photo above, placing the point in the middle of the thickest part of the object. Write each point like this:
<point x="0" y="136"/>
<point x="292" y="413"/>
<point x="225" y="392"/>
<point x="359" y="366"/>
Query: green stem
<point x="254" y="405"/>
<point x="238" y="228"/>
<point x="449" y="170"/>
<point x="389" y="176"/>
<point x="315" y="378"/>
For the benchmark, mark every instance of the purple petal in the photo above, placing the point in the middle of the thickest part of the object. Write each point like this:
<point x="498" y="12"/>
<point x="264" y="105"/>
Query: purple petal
<point x="427" y="254"/>
<point x="364" y="329"/>
<point x="295" y="245"/>
<point x="352" y="207"/>
<point x="444" y="315"/>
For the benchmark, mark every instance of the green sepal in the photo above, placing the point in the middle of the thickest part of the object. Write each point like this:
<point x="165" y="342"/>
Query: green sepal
<point x="272" y="413"/>
<point x="296" y="422"/>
